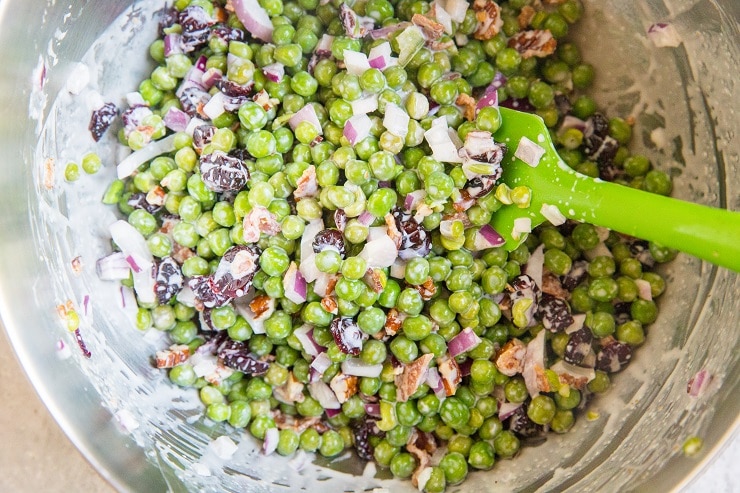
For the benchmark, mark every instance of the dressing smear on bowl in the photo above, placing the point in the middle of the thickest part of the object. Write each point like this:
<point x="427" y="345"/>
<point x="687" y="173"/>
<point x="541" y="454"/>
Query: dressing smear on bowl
<point x="323" y="276"/>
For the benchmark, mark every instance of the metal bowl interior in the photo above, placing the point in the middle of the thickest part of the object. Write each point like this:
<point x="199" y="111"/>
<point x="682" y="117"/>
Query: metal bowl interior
<point x="144" y="435"/>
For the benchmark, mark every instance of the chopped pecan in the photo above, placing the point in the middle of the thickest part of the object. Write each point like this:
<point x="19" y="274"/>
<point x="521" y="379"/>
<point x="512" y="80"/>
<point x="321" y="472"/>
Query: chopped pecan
<point x="417" y="448"/>
<point x="435" y="45"/>
<point x="542" y="382"/>
<point x="181" y="253"/>
<point x="468" y="104"/>
<point x="412" y="376"/>
<point x="525" y="16"/>
<point x="306" y="186"/>
<point x="329" y="304"/>
<point x="431" y="28"/>
<point x="176" y="354"/>
<point x="458" y="216"/>
<point x="221" y="373"/>
<point x="259" y="220"/>
<point x="449" y="371"/>
<point x="551" y="285"/>
<point x="427" y="289"/>
<point x="539" y="43"/>
<point x="291" y="391"/>
<point x="344" y="386"/>
<point x="393" y="321"/>
<point x="260" y="304"/>
<point x="156" y="196"/>
<point x="393" y="232"/>
<point x="263" y="99"/>
<point x="510" y="358"/>
<point x="375" y="280"/>
<point x="488" y="14"/>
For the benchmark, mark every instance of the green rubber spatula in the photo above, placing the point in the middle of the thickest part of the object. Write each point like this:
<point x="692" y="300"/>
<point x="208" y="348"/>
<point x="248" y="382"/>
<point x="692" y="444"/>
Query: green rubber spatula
<point x="705" y="232"/>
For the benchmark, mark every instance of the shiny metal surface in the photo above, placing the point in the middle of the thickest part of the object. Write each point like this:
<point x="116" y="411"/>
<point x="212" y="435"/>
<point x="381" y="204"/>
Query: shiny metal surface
<point x="687" y="91"/>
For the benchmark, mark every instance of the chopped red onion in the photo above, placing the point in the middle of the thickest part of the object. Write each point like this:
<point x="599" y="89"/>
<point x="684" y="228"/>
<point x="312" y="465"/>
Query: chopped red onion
<point x="435" y="383"/>
<point x="534" y="358"/>
<point x="113" y="267"/>
<point x="304" y="334"/>
<point x="176" y="120"/>
<point x="552" y="214"/>
<point x="357" y="128"/>
<point x="173" y="44"/>
<point x="306" y="114"/>
<point x="365" y="218"/>
<point x="380" y="252"/>
<point x="463" y="342"/>
<point x="274" y="71"/>
<point x="358" y="368"/>
<point x="384" y="32"/>
<point x="321" y="363"/>
<point x="398" y="269"/>
<point x="365" y="105"/>
<point x="413" y="199"/>
<point x="356" y="62"/>
<point x="529" y="152"/>
<point x="506" y="409"/>
<point x="380" y="56"/>
<point x="255" y="18"/>
<point x="210" y="77"/>
<point x="571" y="122"/>
<point x="465" y="367"/>
<point x="272" y="436"/>
<point x="489" y="98"/>
<point x="294" y="284"/>
<point x="663" y="35"/>
<point x="396" y="120"/>
<point x="699" y="383"/>
<point x="487" y="237"/>
<point x="155" y="148"/>
<point x="324" y="394"/>
<point x="372" y="409"/>
<point x="644" y="290"/>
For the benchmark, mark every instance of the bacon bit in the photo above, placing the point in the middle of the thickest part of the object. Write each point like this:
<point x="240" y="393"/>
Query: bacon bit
<point x="411" y="377"/>
<point x="170" y="358"/>
<point x="260" y="304"/>
<point x="551" y="285"/>
<point x="291" y="391"/>
<point x="331" y="283"/>
<point x="307" y="185"/>
<point x="181" y="253"/>
<point x="449" y="371"/>
<point x="81" y="344"/>
<point x="49" y="173"/>
<point x="375" y="280"/>
<point x="488" y="14"/>
<point x="393" y="322"/>
<point x="168" y="224"/>
<point x="510" y="358"/>
<point x="468" y="104"/>
<point x="431" y="28"/>
<point x="156" y="196"/>
<point x="539" y="43"/>
<point x="329" y="304"/>
<point x="344" y="386"/>
<point x="421" y="445"/>
<point x="427" y="289"/>
<point x="220" y="15"/>
<point x="525" y="16"/>
<point x="263" y="99"/>
<point x="393" y="232"/>
<point x="77" y="264"/>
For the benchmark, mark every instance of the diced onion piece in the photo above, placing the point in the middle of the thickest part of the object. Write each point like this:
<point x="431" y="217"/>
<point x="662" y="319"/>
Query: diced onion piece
<point x="413" y="199"/>
<point x="294" y="285"/>
<point x="356" y="62"/>
<point x="272" y="436"/>
<point x="522" y="225"/>
<point x="535" y="265"/>
<point x="304" y="334"/>
<point x="215" y="106"/>
<point x="372" y="409"/>
<point x="224" y="447"/>
<point x="435" y="383"/>
<point x="255" y="18"/>
<point x="644" y="290"/>
<point x="186" y="296"/>
<point x="534" y="358"/>
<point x="127" y="302"/>
<point x="489" y="98"/>
<point x="130" y="241"/>
<point x="309" y="234"/>
<point x="380" y="56"/>
<point x="113" y="267"/>
<point x="176" y="120"/>
<point x="380" y="252"/>
<point x="487" y="237"/>
<point x="552" y="214"/>
<point x="529" y="152"/>
<point x="193" y="124"/>
<point x="306" y="114"/>
<point x="357" y="128"/>
<point x="274" y="71"/>
<point x="443" y="17"/>
<point x="423" y="478"/>
<point x="600" y="250"/>
<point x="154" y="149"/>
<point x="321" y="284"/>
<point x="396" y="120"/>
<point x="365" y="218"/>
<point x="573" y="372"/>
<point x="365" y="105"/>
<point x="324" y="394"/>
<point x="210" y="77"/>
<point x="571" y="122"/>
<point x="398" y="269"/>
<point x="457" y="9"/>
<point x="699" y="383"/>
<point x="443" y="149"/>
<point x="358" y="368"/>
<point x="506" y="409"/>
<point x="664" y="35"/>
<point x="321" y="363"/>
<point x="463" y="342"/>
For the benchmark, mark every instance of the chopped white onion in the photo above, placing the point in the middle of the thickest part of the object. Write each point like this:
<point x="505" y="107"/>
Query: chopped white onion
<point x="578" y="321"/>
<point x="443" y="17"/>
<point x="321" y="363"/>
<point x="398" y="269"/>
<point x="306" y="114"/>
<point x="534" y="265"/>
<point x="294" y="284"/>
<point x="324" y="394"/>
<point x="396" y="120"/>
<point x="552" y="214"/>
<point x="154" y="149"/>
<point x="365" y="105"/>
<point x="380" y="252"/>
<point x="529" y="152"/>
<point x="534" y="358"/>
<point x="255" y="18"/>
<point x="487" y="237"/>
<point x="457" y="9"/>
<point x="272" y="436"/>
<point x="522" y="225"/>
<point x="358" y="368"/>
<point x="356" y="62"/>
<point x="215" y="106"/>
<point x="438" y="138"/>
<point x="113" y="267"/>
<point x="423" y="478"/>
<point x="644" y="290"/>
<point x="506" y="409"/>
<point x="380" y="56"/>
<point x="304" y="334"/>
<point x="224" y="447"/>
<point x="357" y="128"/>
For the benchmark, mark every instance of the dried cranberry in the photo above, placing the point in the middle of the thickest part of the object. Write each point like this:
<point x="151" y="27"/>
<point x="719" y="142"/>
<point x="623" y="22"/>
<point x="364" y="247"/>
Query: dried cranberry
<point x="362" y="431"/>
<point x="601" y="149"/>
<point x="480" y="186"/>
<point x="518" y="104"/>
<point x="169" y="17"/>
<point x="340" y="219"/>
<point x="622" y="312"/>
<point x="192" y="99"/>
<point x="330" y="239"/>
<point x="347" y="335"/>
<point x="168" y="281"/>
<point x="554" y="313"/>
<point x="101" y="119"/>
<point x="202" y="286"/>
<point x="415" y="239"/>
<point x="236" y="355"/>
<point x="241" y="154"/>
<point x="563" y="104"/>
<point x="641" y="251"/>
<point x="614" y="356"/>
<point x="227" y="33"/>
<point x="81" y="343"/>
<point x="579" y="346"/>
<point x="235" y="270"/>
<point x="597" y="125"/>
<point x="214" y="341"/>
<point x="196" y="25"/>
<point x="221" y="172"/>
<point x="609" y="172"/>
<point x="232" y="89"/>
<point x="202" y="136"/>
<point x="206" y="321"/>
<point x="520" y="423"/>
<point x="138" y="201"/>
<point x="576" y="276"/>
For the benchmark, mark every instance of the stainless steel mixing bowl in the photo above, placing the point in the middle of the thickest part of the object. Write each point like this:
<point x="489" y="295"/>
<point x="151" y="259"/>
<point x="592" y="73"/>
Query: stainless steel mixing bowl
<point x="143" y="435"/>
